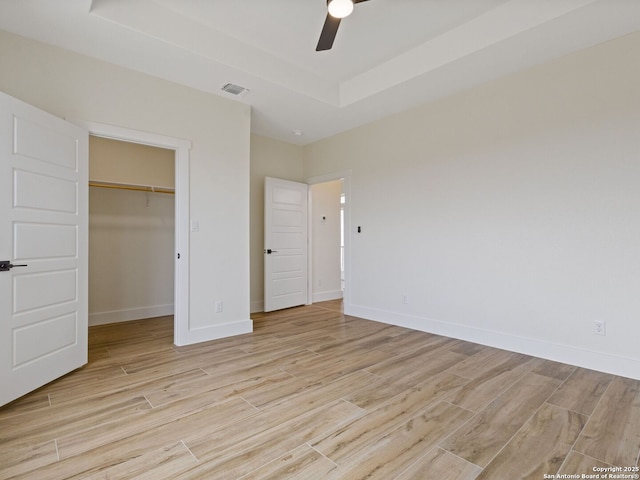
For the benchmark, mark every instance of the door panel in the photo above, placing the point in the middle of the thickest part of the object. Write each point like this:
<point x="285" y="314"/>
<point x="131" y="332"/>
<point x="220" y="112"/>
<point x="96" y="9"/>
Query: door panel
<point x="61" y="241"/>
<point x="43" y="224"/>
<point x="287" y="263"/>
<point x="33" y="342"/>
<point x="54" y="288"/>
<point x="286" y="239"/>
<point x="44" y="192"/>
<point x="45" y="142"/>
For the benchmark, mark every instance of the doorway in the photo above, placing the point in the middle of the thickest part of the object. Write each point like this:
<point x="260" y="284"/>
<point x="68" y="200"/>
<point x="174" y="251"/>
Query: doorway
<point x="131" y="231"/>
<point x="182" y="333"/>
<point x="329" y="239"/>
<point x="326" y="222"/>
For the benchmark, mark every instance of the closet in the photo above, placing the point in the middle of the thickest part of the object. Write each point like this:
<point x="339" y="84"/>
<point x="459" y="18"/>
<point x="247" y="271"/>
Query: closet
<point x="131" y="231"/>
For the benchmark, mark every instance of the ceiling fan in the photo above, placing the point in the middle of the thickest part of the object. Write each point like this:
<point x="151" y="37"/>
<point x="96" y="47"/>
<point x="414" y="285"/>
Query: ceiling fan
<point x="337" y="10"/>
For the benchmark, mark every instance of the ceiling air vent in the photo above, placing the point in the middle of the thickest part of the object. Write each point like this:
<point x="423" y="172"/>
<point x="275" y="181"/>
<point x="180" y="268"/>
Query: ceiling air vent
<point x="236" y="90"/>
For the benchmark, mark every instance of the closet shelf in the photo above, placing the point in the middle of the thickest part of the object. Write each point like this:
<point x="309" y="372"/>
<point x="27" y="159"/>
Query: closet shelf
<point x="130" y="186"/>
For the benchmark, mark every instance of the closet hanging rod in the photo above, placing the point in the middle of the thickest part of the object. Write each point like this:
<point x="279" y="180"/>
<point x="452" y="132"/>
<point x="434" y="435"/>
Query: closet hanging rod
<point x="139" y="188"/>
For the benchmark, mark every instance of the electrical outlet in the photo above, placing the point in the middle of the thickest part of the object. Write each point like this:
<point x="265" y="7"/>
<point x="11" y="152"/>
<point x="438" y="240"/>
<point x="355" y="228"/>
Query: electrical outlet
<point x="600" y="327"/>
<point x="219" y="306"/>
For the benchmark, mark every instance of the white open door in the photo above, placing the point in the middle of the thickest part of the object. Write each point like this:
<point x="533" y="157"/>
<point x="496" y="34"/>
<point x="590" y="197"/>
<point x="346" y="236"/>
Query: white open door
<point x="285" y="236"/>
<point x="43" y="234"/>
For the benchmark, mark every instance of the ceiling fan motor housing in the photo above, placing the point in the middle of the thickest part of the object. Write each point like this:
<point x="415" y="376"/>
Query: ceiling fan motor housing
<point x="336" y="10"/>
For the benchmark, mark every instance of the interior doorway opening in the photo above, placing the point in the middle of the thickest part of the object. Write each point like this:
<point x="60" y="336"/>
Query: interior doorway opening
<point x="326" y="222"/>
<point x="182" y="333"/>
<point x="329" y="223"/>
<point x="131" y="231"/>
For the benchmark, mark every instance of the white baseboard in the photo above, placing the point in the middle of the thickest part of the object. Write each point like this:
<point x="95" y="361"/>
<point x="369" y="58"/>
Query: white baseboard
<point x="214" y="332"/>
<point x="116" y="316"/>
<point x="569" y="354"/>
<point x="326" y="296"/>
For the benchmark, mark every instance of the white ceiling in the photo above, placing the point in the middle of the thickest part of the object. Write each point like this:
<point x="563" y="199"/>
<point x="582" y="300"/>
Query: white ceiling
<point x="389" y="55"/>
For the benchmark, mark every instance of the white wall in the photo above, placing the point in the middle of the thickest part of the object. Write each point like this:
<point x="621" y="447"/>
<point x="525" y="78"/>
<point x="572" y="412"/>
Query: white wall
<point x="83" y="89"/>
<point x="269" y="158"/>
<point x="508" y="214"/>
<point x="325" y="235"/>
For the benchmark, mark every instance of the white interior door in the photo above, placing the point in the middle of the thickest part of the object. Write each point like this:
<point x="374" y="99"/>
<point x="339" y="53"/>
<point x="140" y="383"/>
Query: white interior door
<point x="285" y="252"/>
<point x="43" y="225"/>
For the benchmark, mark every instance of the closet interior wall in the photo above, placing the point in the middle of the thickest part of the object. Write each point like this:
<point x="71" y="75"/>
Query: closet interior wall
<point x="131" y="231"/>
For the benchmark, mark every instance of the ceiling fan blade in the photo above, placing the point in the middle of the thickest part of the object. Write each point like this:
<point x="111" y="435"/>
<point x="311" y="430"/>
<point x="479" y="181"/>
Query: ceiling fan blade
<point x="328" y="34"/>
<point x="358" y="1"/>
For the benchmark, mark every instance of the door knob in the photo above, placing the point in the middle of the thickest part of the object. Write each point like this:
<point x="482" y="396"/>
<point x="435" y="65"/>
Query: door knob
<point x="268" y="251"/>
<point x="6" y="265"/>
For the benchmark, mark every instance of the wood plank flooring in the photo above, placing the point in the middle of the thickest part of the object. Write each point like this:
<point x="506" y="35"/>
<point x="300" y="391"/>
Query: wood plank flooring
<point x="314" y="394"/>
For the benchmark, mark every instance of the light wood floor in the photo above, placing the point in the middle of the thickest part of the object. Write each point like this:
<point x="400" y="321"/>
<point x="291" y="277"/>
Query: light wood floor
<point x="312" y="394"/>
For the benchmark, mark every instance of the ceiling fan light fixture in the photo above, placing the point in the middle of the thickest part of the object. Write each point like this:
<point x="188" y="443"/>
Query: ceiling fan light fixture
<point x="340" y="8"/>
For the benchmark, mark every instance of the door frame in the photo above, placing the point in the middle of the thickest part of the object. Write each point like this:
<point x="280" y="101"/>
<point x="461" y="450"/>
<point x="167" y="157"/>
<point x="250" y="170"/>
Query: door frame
<point x="181" y="260"/>
<point x="345" y="176"/>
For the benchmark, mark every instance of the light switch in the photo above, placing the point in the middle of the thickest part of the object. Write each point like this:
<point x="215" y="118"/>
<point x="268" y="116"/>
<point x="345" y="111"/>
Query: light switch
<point x="195" y="225"/>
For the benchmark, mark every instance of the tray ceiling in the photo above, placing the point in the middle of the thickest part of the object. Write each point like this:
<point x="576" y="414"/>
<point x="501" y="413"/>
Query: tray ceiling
<point x="389" y="55"/>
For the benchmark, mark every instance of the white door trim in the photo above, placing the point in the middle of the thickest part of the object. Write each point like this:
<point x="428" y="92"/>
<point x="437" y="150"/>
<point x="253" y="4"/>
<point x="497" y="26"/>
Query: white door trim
<point x="181" y="277"/>
<point x="346" y="177"/>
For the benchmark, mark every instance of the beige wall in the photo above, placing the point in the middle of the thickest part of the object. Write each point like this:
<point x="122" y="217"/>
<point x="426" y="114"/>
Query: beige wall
<point x="269" y="158"/>
<point x="79" y="88"/>
<point x="131" y="245"/>
<point x="130" y="163"/>
<point x="507" y="214"/>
